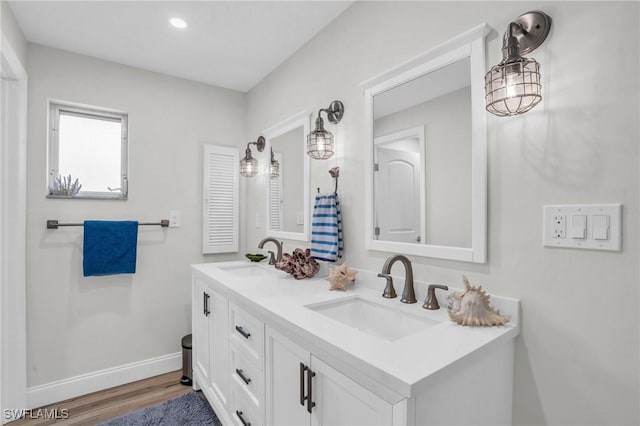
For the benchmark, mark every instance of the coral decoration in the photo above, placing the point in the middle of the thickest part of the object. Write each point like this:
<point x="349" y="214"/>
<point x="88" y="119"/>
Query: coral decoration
<point x="341" y="277"/>
<point x="300" y="264"/>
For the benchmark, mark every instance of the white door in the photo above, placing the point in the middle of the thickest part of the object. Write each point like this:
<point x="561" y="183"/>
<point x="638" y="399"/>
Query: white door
<point x="398" y="196"/>
<point x="341" y="401"/>
<point x="286" y="381"/>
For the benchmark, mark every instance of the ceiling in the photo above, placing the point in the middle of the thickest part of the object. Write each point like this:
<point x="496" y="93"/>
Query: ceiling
<point x="231" y="44"/>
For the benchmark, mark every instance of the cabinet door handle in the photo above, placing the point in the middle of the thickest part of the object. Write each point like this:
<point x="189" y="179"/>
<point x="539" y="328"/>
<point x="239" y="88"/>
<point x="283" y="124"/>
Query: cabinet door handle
<point x="310" y="403"/>
<point x="206" y="304"/>
<point x="303" y="368"/>
<point x="242" y="376"/>
<point x="241" y="331"/>
<point x="242" y="419"/>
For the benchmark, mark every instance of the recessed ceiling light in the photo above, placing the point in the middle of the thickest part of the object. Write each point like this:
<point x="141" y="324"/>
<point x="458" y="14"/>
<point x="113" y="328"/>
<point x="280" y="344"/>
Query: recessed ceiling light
<point x="178" y="23"/>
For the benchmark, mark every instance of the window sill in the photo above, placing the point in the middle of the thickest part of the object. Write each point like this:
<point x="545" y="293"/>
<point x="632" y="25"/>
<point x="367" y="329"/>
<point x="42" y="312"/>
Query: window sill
<point x="88" y="197"/>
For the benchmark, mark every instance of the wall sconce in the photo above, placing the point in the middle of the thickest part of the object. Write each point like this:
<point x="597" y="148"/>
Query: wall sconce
<point x="249" y="165"/>
<point x="320" y="145"/>
<point x="513" y="86"/>
<point x="274" y="168"/>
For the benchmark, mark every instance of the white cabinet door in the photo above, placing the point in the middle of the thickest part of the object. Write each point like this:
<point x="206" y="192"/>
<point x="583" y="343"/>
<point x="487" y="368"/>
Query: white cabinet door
<point x="210" y="349"/>
<point x="285" y="389"/>
<point x="218" y="306"/>
<point x="341" y="401"/>
<point x="294" y="375"/>
<point x="200" y="334"/>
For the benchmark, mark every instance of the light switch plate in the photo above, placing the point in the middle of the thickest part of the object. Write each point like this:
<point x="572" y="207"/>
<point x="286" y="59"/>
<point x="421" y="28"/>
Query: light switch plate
<point x="602" y="225"/>
<point x="174" y="219"/>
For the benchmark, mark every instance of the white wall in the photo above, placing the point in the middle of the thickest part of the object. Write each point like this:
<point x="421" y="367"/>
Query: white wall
<point x="80" y="325"/>
<point x="577" y="358"/>
<point x="12" y="32"/>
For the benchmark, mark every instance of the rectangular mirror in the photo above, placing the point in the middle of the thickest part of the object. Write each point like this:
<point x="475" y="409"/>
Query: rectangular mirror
<point x="426" y="146"/>
<point x="288" y="189"/>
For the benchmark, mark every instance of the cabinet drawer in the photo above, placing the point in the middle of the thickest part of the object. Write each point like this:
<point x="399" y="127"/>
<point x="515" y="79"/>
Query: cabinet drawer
<point x="247" y="376"/>
<point x="243" y="411"/>
<point x="247" y="333"/>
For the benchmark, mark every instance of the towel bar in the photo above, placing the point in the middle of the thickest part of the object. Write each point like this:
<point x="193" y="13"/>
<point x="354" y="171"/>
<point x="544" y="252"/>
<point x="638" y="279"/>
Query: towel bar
<point x="53" y="224"/>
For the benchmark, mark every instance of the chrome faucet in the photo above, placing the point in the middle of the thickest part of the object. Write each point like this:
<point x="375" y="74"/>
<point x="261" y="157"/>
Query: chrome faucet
<point x="272" y="260"/>
<point x="408" y="294"/>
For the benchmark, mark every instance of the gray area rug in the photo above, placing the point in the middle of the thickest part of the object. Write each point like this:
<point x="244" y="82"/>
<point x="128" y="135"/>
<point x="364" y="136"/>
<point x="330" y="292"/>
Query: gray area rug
<point x="190" y="409"/>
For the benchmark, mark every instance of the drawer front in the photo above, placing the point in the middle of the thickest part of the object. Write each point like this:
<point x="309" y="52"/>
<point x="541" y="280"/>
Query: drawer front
<point x="243" y="411"/>
<point x="247" y="333"/>
<point x="247" y="376"/>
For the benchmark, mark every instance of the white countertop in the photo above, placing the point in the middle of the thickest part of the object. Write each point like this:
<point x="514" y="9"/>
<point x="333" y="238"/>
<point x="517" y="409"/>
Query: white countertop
<point x="402" y="364"/>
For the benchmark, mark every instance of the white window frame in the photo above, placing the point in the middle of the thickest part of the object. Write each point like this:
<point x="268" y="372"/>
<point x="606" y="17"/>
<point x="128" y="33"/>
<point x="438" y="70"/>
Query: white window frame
<point x="87" y="111"/>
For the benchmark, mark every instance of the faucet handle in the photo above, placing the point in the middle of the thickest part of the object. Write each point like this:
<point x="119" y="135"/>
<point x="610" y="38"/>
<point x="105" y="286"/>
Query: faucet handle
<point x="272" y="258"/>
<point x="431" y="302"/>
<point x="389" y="291"/>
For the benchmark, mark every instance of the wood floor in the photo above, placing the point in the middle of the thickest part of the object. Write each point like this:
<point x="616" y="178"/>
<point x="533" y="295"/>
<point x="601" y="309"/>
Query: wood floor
<point x="104" y="405"/>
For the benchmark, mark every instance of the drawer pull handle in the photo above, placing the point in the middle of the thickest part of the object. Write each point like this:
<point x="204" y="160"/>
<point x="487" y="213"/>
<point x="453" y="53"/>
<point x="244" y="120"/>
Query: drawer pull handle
<point x="303" y="368"/>
<point x="241" y="331"/>
<point x="206" y="304"/>
<point x="242" y="419"/>
<point x="242" y="376"/>
<point x="310" y="403"/>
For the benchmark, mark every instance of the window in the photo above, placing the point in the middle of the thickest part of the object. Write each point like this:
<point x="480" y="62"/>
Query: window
<point x="88" y="144"/>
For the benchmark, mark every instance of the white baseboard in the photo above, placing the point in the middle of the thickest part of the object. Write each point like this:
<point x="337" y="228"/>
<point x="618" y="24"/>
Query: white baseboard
<point x="60" y="390"/>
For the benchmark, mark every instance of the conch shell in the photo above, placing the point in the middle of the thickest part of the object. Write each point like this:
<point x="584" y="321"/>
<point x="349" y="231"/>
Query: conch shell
<point x="472" y="307"/>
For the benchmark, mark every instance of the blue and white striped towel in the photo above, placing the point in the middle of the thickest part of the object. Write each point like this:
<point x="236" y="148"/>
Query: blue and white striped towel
<point x="326" y="228"/>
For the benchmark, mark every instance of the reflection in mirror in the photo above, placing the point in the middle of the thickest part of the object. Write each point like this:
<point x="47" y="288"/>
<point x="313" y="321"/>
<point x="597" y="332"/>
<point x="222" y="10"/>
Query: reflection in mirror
<point x="425" y="127"/>
<point x="422" y="140"/>
<point x="288" y="193"/>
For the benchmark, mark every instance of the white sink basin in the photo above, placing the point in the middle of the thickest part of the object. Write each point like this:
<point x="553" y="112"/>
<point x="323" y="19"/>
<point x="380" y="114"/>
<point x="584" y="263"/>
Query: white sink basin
<point x="248" y="270"/>
<point x="372" y="318"/>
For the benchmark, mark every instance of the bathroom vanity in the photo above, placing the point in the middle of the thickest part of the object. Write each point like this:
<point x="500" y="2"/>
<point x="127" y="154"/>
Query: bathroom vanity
<point x="269" y="349"/>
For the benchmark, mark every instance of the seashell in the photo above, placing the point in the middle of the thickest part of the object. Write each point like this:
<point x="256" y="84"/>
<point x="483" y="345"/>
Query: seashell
<point x="472" y="307"/>
<point x="300" y="264"/>
<point x="341" y="277"/>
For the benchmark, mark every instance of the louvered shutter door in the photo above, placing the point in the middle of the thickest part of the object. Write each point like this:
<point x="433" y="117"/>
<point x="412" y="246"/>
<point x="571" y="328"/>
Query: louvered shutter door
<point x="274" y="204"/>
<point x="221" y="199"/>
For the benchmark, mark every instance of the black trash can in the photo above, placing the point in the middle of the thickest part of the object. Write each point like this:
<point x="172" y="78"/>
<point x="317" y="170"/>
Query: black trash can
<point x="186" y="361"/>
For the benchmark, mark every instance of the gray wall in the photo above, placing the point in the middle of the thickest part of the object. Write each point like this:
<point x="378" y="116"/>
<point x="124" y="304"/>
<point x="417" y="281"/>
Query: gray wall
<point x="447" y="136"/>
<point x="78" y="325"/>
<point x="576" y="359"/>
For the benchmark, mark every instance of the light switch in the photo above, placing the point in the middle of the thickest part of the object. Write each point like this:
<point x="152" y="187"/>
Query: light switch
<point x="299" y="218"/>
<point x="583" y="226"/>
<point x="174" y="219"/>
<point x="600" y="227"/>
<point x="578" y="226"/>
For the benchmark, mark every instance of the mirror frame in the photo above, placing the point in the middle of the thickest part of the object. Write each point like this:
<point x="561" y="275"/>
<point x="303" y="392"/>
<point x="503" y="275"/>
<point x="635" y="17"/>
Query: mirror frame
<point x="299" y="120"/>
<point x="469" y="44"/>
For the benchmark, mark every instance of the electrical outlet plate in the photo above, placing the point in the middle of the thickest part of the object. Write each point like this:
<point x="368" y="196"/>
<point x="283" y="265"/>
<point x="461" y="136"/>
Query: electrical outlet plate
<point x="557" y="219"/>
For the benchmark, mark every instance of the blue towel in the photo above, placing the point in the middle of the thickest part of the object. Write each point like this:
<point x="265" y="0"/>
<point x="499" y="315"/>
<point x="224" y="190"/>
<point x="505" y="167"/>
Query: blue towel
<point x="326" y="228"/>
<point x="109" y="247"/>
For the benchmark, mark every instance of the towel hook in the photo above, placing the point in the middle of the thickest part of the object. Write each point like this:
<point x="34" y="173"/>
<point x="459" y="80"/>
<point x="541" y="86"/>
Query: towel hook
<point x="335" y="173"/>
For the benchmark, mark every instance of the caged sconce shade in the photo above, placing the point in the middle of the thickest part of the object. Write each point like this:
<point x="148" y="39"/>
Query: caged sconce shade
<point x="274" y="168"/>
<point x="513" y="86"/>
<point x="249" y="165"/>
<point x="320" y="143"/>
